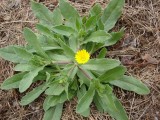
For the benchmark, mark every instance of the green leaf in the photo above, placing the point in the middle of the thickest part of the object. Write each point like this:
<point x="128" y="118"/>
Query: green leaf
<point x="48" y="115"/>
<point x="12" y="82"/>
<point x="54" y="113"/>
<point x="80" y="94"/>
<point x="86" y="100"/>
<point x="112" y="13"/>
<point x="99" y="36"/>
<point x="109" y="103"/>
<point x="98" y="102"/>
<point x="42" y="12"/>
<point x="102" y="64"/>
<point x="73" y="72"/>
<point x="113" y="107"/>
<point x="57" y="17"/>
<point x="63" y="30"/>
<point x="48" y="76"/>
<point x="58" y="57"/>
<point x="131" y="84"/>
<point x="49" y="48"/>
<point x="86" y="113"/>
<point x="58" y="112"/>
<point x="78" y="25"/>
<point x="55" y="89"/>
<point x="115" y="36"/>
<point x="102" y="53"/>
<point x="31" y="96"/>
<point x="51" y="101"/>
<point x="28" y="79"/>
<point x="112" y="74"/>
<point x="31" y="38"/>
<point x="68" y="11"/>
<point x="73" y="43"/>
<point x="95" y="10"/>
<point x="8" y="53"/>
<point x="100" y="24"/>
<point x="67" y="50"/>
<point x="91" y="23"/>
<point x="24" y="54"/>
<point x="122" y="113"/>
<point x="108" y="100"/>
<point x="44" y="30"/>
<point x="46" y="104"/>
<point x="82" y="78"/>
<point x="24" y="67"/>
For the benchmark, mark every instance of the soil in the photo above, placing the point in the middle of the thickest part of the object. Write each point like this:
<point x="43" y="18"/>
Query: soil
<point x="139" y="51"/>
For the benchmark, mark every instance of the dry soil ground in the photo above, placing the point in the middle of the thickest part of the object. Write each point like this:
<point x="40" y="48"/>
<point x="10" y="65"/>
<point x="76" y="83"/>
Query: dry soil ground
<point x="139" y="50"/>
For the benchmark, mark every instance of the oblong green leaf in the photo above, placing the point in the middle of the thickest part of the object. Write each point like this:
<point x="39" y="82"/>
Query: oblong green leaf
<point x="12" y="82"/>
<point x="68" y="11"/>
<point x="67" y="50"/>
<point x="82" y="77"/>
<point x="24" y="54"/>
<point x="31" y="38"/>
<point x="91" y="23"/>
<point x="122" y="113"/>
<point x="31" y="96"/>
<point x="73" y="71"/>
<point x="102" y="53"/>
<point x="102" y="64"/>
<point x="28" y="79"/>
<point x="112" y="13"/>
<point x="46" y="104"/>
<point x="55" y="89"/>
<point x="57" y="17"/>
<point x="45" y="31"/>
<point x="42" y="12"/>
<point x="86" y="100"/>
<point x="95" y="10"/>
<point x="45" y="48"/>
<point x="24" y="67"/>
<point x="58" y="57"/>
<point x="54" y="113"/>
<point x="99" y="36"/>
<point x="48" y="115"/>
<point x="131" y="84"/>
<point x="97" y="101"/>
<point x="58" y="112"/>
<point x="80" y="94"/>
<point x="63" y="30"/>
<point x="8" y="53"/>
<point x="115" y="36"/>
<point x="112" y="74"/>
<point x="53" y="100"/>
<point x="73" y="43"/>
<point x="113" y="107"/>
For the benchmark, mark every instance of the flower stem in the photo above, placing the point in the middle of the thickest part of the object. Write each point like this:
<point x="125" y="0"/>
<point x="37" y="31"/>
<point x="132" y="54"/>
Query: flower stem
<point x="84" y="72"/>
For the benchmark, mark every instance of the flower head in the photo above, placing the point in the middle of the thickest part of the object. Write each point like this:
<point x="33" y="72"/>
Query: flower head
<point x="82" y="56"/>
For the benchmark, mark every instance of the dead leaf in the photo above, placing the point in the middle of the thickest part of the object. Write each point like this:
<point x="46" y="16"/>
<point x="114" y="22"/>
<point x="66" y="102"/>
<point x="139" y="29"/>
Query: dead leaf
<point x="126" y="60"/>
<point x="150" y="59"/>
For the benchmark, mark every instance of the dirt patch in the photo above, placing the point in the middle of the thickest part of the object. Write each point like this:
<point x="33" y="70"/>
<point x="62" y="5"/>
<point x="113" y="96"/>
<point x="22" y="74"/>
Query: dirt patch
<point x="139" y="51"/>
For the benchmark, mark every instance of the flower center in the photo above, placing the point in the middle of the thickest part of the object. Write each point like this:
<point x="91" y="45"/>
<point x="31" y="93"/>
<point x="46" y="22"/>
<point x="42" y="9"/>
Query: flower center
<point x="82" y="56"/>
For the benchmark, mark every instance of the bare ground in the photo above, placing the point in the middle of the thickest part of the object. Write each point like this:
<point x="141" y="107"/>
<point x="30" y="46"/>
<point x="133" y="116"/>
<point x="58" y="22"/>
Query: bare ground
<point x="139" y="51"/>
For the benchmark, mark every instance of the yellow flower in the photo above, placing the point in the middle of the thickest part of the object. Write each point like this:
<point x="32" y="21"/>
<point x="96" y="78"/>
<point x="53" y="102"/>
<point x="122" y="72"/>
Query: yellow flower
<point x="82" y="56"/>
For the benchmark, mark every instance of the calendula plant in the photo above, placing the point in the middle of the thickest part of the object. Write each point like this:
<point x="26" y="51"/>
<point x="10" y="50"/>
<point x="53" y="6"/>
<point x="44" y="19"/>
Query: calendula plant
<point x="60" y="55"/>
